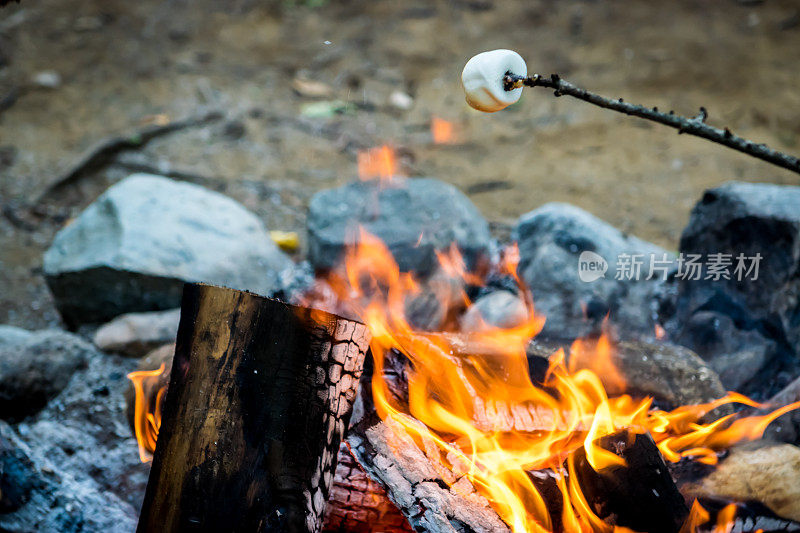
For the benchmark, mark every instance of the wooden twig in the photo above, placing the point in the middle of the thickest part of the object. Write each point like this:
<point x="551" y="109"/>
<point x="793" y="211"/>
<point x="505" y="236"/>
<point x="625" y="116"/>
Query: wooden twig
<point x="103" y="152"/>
<point x="693" y="126"/>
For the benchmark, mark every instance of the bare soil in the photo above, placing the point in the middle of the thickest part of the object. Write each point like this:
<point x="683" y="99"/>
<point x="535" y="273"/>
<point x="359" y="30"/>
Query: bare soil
<point x="125" y="64"/>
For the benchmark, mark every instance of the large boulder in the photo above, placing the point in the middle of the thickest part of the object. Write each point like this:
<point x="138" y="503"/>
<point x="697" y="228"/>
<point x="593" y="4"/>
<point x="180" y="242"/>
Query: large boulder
<point x="134" y="247"/>
<point x="556" y="240"/>
<point x="414" y="217"/>
<point x="35" y="366"/>
<point x="747" y="326"/>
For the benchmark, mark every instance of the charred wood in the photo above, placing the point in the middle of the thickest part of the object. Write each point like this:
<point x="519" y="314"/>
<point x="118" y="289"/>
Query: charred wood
<point x="259" y="396"/>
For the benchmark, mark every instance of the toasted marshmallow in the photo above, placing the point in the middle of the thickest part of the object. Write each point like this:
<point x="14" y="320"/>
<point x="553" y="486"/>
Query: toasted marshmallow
<point x="483" y="79"/>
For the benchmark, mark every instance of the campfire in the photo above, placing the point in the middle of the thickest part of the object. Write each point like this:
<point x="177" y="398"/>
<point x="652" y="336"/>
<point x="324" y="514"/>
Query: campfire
<point x="515" y="441"/>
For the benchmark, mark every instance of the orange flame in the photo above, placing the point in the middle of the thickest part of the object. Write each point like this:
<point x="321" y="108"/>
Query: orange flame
<point x="482" y="416"/>
<point x="698" y="517"/>
<point x="725" y="519"/>
<point x="443" y="131"/>
<point x="379" y="162"/>
<point x="147" y="414"/>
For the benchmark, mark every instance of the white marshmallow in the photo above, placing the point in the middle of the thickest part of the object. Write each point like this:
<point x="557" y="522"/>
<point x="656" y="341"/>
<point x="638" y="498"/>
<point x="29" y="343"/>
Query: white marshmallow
<point x="483" y="79"/>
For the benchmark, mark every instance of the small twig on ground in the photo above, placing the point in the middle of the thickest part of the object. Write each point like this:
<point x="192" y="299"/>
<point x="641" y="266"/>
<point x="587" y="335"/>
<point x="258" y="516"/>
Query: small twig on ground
<point x="10" y="98"/>
<point x="169" y="172"/>
<point x="104" y="152"/>
<point x="692" y="126"/>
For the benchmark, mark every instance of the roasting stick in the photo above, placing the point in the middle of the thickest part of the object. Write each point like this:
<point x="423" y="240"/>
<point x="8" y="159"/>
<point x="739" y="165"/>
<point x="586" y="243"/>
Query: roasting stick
<point x="492" y="81"/>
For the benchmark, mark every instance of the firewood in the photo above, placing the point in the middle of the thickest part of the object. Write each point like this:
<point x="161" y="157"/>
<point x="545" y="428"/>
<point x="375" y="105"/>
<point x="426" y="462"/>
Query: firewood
<point x="431" y="497"/>
<point x="259" y="397"/>
<point x="640" y="495"/>
<point x="356" y="503"/>
<point x="359" y="505"/>
<point x="428" y="497"/>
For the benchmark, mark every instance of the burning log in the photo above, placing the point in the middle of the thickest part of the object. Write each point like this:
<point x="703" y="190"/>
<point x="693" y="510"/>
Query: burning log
<point x="259" y="396"/>
<point x="431" y="497"/>
<point x="434" y="498"/>
<point x="358" y="504"/>
<point x="640" y="495"/>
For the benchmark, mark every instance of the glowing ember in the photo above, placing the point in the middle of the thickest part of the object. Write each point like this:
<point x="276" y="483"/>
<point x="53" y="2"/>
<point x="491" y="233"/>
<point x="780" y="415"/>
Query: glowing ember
<point x="443" y="131"/>
<point x="380" y="162"/>
<point x="489" y="420"/>
<point x="147" y="413"/>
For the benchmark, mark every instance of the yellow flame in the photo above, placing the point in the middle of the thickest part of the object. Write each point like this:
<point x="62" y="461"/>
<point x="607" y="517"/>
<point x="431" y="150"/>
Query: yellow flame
<point x="477" y="412"/>
<point x="147" y="415"/>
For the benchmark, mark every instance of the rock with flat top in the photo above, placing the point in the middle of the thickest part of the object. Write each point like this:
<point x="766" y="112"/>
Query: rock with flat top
<point x="746" y="324"/>
<point x="414" y="217"/>
<point x="135" y="246"/>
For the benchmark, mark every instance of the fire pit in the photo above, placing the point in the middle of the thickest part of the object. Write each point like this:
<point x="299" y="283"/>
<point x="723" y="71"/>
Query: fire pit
<point x="471" y="429"/>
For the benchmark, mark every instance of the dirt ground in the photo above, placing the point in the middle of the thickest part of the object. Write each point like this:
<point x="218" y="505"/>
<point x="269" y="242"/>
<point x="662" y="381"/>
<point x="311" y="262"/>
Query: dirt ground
<point x="73" y="73"/>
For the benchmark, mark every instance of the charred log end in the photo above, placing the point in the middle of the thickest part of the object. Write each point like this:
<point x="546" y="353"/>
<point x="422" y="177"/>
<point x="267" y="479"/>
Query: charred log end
<point x="358" y="504"/>
<point x="642" y="495"/>
<point x="259" y="397"/>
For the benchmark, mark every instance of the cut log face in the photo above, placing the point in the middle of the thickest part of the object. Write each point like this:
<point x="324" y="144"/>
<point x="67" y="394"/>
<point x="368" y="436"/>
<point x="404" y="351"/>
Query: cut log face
<point x="259" y="398"/>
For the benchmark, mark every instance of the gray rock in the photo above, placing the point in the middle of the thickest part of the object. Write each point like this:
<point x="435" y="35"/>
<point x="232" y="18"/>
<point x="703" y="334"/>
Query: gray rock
<point x="38" y="497"/>
<point x="762" y="314"/>
<point x="787" y="427"/>
<point x="135" y="334"/>
<point x="671" y="374"/>
<point x="736" y="355"/>
<point x="35" y="366"/>
<point x="12" y="335"/>
<point x="134" y="247"/>
<point x="83" y="433"/>
<point x="414" y="217"/>
<point x="551" y="240"/>
<point x="499" y="309"/>
<point x="438" y="303"/>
